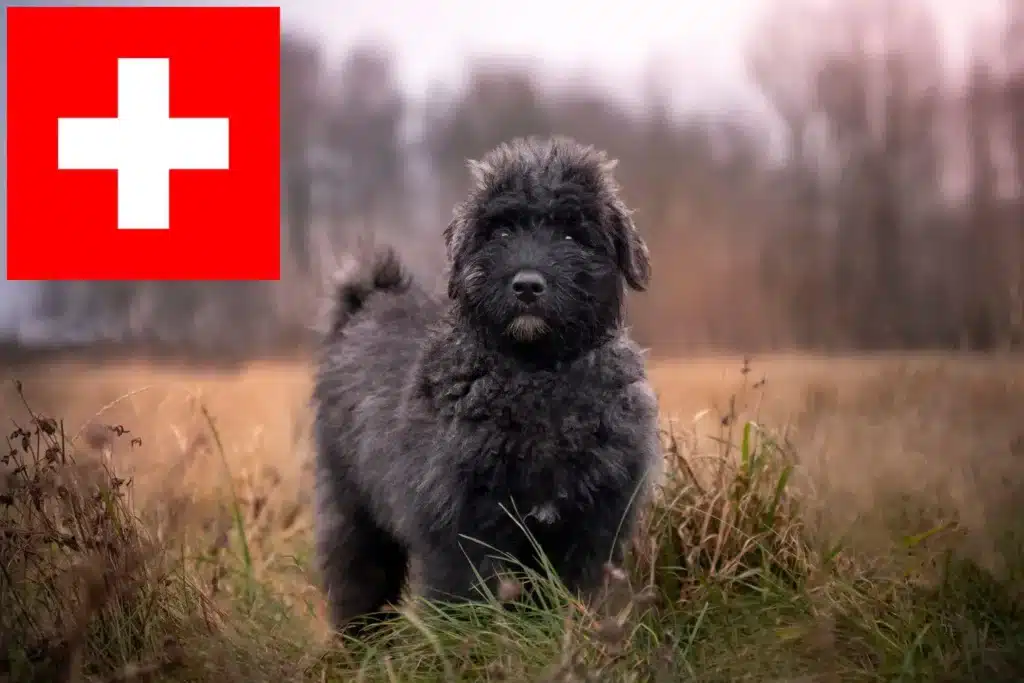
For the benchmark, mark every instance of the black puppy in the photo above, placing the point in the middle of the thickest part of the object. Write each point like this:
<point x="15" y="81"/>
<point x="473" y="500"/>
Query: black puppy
<point x="438" y="422"/>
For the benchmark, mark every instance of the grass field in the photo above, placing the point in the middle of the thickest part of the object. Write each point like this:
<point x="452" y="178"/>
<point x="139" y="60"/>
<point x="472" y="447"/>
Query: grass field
<point x="823" y="519"/>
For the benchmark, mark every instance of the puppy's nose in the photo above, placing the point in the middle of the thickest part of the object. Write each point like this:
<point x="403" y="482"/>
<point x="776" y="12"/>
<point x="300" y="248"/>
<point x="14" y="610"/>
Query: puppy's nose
<point x="528" y="285"/>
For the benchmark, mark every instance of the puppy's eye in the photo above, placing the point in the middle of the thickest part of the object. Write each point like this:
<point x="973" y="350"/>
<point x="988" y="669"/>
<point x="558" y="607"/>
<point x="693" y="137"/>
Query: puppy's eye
<point x="503" y="234"/>
<point x="568" y="238"/>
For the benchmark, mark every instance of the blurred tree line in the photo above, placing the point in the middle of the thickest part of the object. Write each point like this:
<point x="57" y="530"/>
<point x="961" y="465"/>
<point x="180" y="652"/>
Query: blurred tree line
<point x="891" y="215"/>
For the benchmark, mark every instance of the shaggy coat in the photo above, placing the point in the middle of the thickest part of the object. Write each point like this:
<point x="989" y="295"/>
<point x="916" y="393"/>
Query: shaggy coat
<point x="447" y="430"/>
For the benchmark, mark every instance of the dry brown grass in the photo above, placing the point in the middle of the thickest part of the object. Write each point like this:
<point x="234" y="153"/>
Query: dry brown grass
<point x="946" y="432"/>
<point x="889" y="468"/>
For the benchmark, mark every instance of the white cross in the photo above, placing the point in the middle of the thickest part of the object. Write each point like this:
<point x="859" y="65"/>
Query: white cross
<point x="142" y="144"/>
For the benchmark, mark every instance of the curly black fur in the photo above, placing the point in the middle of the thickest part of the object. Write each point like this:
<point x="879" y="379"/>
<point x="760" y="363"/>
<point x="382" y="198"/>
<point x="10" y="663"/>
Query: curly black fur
<point x="435" y="420"/>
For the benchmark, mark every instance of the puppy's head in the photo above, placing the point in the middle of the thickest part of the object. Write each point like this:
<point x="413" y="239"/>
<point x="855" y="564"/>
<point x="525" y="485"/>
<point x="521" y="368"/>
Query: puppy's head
<point x="541" y="250"/>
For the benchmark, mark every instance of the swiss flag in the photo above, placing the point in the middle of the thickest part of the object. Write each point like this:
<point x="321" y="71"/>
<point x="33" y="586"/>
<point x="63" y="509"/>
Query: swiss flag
<point x="143" y="143"/>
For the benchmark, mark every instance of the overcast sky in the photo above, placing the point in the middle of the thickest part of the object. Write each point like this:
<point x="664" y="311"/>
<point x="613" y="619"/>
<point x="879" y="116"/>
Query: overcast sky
<point x="615" y="37"/>
<point x="701" y="42"/>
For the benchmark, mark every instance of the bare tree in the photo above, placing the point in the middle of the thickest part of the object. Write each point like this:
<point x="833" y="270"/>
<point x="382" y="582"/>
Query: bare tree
<point x="301" y="69"/>
<point x="364" y="115"/>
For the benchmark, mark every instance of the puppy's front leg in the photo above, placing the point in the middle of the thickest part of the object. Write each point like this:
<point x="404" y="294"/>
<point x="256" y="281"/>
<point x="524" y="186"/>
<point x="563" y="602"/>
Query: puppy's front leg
<point x="588" y="541"/>
<point x="453" y="569"/>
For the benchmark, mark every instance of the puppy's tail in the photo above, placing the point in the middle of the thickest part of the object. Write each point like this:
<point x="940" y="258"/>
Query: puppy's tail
<point x="383" y="273"/>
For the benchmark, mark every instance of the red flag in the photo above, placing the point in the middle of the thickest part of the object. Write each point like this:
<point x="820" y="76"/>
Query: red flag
<point x="143" y="143"/>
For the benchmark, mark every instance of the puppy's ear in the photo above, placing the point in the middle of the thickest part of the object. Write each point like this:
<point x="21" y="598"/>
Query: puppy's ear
<point x="631" y="252"/>
<point x="454" y="239"/>
<point x="458" y="230"/>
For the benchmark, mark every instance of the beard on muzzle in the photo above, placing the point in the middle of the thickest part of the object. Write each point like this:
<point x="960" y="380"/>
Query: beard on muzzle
<point x="527" y="328"/>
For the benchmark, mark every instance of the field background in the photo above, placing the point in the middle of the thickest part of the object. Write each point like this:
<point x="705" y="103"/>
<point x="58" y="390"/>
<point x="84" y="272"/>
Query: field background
<point x="887" y="447"/>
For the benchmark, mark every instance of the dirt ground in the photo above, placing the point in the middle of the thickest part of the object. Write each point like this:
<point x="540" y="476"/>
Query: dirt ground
<point x="943" y="433"/>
